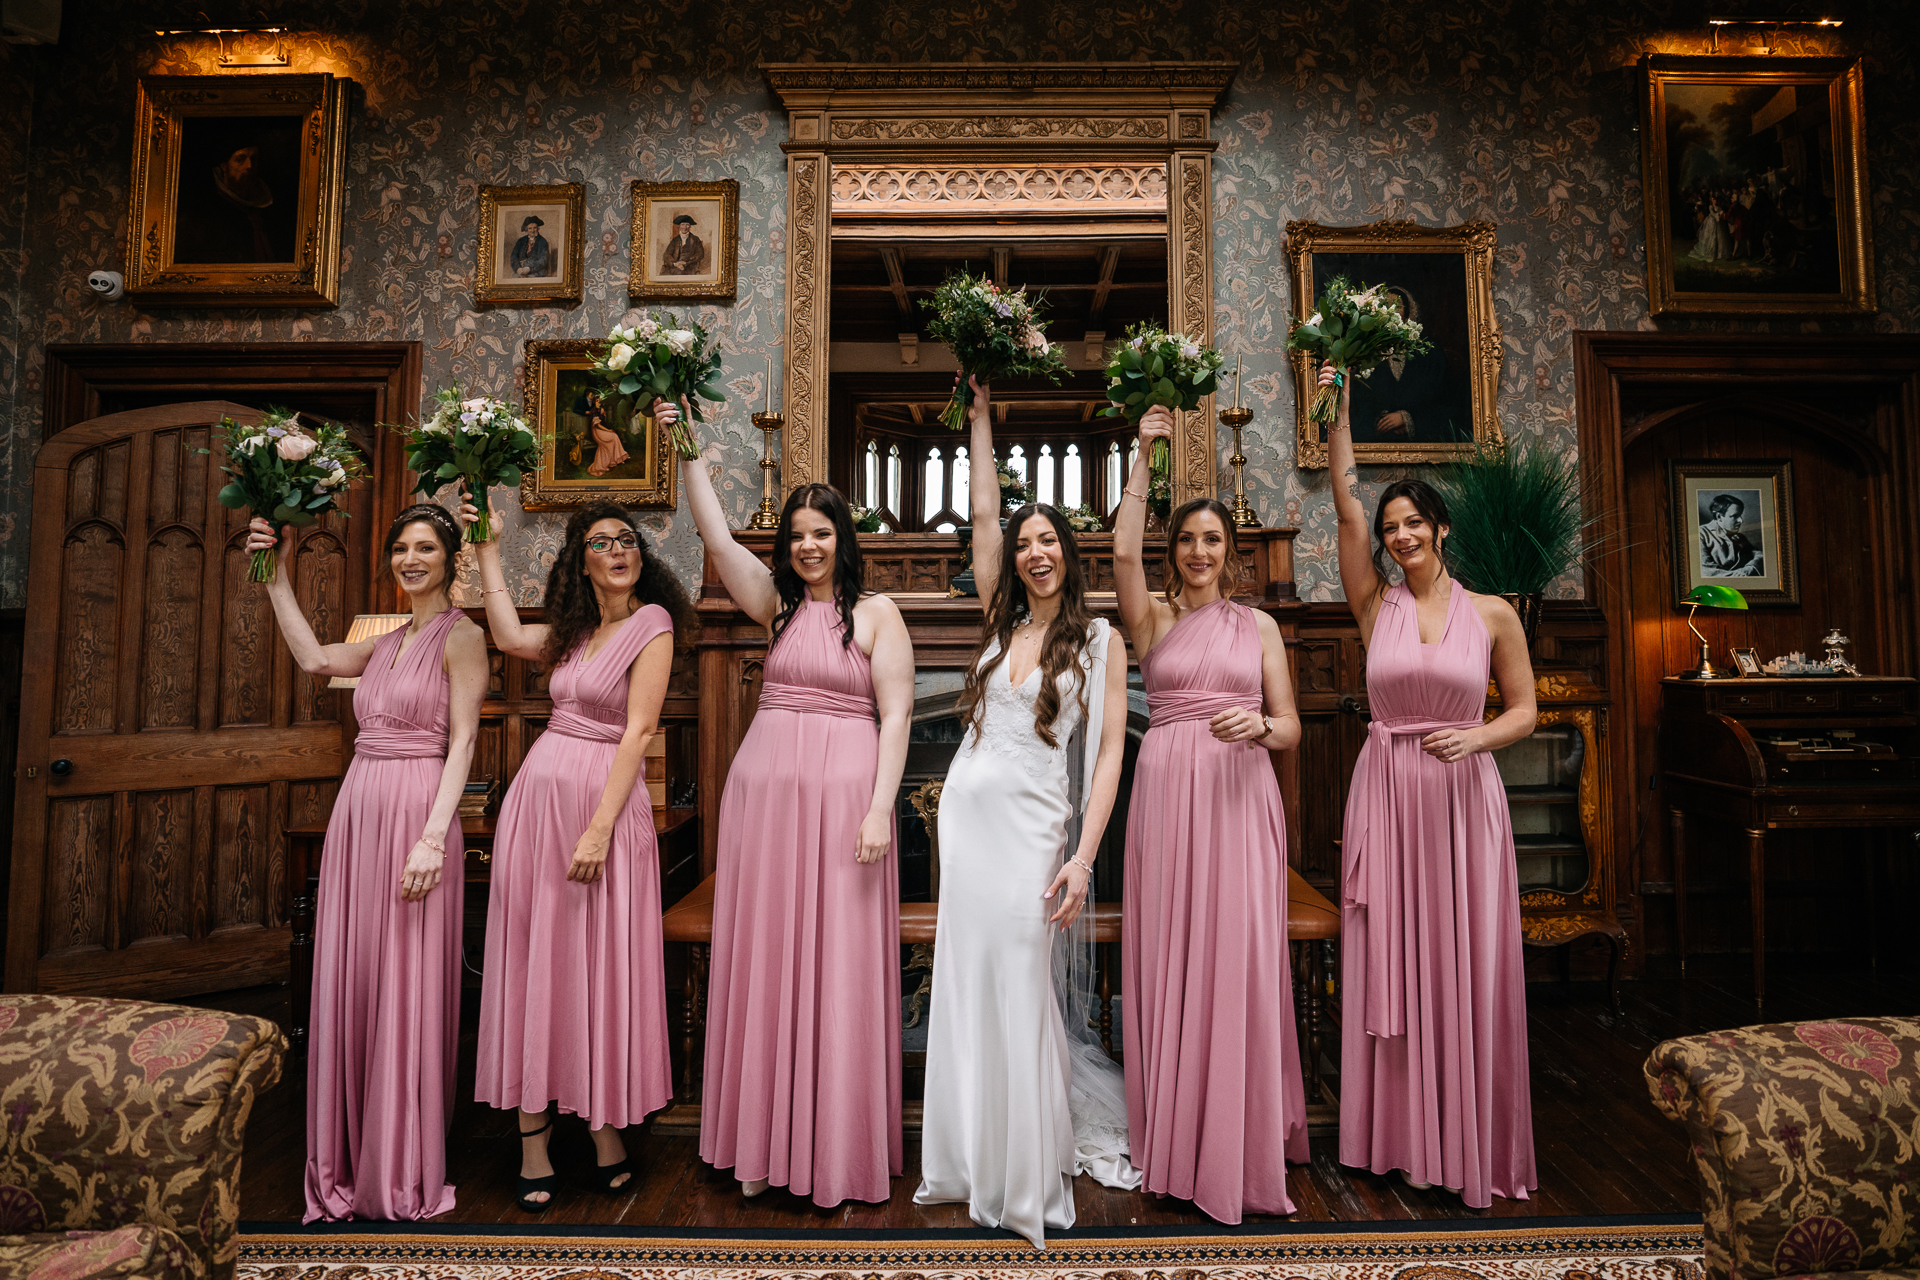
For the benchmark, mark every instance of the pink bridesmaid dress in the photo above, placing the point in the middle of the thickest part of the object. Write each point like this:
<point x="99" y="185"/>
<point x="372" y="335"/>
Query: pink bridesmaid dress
<point x="803" y="1008"/>
<point x="1215" y="1106"/>
<point x="1433" y="1053"/>
<point x="386" y="972"/>
<point x="573" y="1002"/>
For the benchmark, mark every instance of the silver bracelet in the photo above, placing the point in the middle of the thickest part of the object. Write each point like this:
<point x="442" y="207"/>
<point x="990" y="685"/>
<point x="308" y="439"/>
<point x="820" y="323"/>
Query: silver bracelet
<point x="1081" y="863"/>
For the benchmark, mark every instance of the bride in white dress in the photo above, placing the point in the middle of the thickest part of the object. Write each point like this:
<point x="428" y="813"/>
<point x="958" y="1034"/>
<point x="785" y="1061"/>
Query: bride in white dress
<point x="1019" y="1096"/>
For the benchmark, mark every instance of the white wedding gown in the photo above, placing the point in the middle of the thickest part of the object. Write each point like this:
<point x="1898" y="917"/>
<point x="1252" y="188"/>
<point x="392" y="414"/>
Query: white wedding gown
<point x="1019" y="1098"/>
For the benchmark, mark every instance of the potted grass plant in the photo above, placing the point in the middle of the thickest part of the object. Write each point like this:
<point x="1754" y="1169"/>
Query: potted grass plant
<point x="1517" y="523"/>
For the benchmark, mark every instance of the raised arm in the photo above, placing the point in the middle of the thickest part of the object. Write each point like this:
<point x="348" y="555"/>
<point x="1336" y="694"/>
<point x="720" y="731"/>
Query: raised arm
<point x="1358" y="577"/>
<point x="749" y="582"/>
<point x="1144" y="615"/>
<point x="983" y="492"/>
<point x="646" y="691"/>
<point x="892" y="663"/>
<point x="465" y="663"/>
<point x="309" y="654"/>
<point x="503" y="619"/>
<point x="1070" y="885"/>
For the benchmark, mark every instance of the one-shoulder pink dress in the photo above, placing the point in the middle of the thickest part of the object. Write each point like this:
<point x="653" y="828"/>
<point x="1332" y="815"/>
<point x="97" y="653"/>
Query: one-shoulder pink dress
<point x="386" y="972"/>
<point x="1215" y="1105"/>
<point x="1433" y="1050"/>
<point x="803" y="1009"/>
<point x="573" y="1001"/>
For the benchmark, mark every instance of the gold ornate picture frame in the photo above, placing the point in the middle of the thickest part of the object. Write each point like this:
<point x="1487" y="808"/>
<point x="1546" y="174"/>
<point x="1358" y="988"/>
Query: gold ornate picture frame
<point x="591" y="449"/>
<point x="237" y="189"/>
<point x="686" y="241"/>
<point x="1755" y="180"/>
<point x="1431" y="408"/>
<point x="532" y="245"/>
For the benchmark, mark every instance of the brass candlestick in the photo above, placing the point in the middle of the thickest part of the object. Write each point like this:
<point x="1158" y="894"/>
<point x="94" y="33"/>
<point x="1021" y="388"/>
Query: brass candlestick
<point x="1237" y="417"/>
<point x="768" y="516"/>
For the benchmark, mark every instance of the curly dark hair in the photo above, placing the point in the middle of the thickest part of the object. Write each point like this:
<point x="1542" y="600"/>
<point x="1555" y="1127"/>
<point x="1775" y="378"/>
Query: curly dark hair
<point x="1427" y="501"/>
<point x="572" y="609"/>
<point x="1066" y="634"/>
<point x="849" y="570"/>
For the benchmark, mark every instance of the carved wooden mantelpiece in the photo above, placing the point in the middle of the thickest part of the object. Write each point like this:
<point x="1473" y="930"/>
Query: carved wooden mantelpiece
<point x="937" y="141"/>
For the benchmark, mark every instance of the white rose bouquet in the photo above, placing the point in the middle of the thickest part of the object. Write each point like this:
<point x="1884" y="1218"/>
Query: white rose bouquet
<point x="479" y="441"/>
<point x="1154" y="367"/>
<point x="286" y="475"/>
<point x="656" y="356"/>
<point x="1014" y="492"/>
<point x="1081" y="519"/>
<point x="993" y="333"/>
<point x="1354" y="332"/>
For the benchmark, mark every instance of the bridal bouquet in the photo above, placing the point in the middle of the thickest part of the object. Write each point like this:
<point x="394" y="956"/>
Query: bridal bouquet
<point x="1154" y="367"/>
<point x="480" y="442"/>
<point x="993" y="333"/>
<point x="286" y="475"/>
<point x="656" y="357"/>
<point x="1354" y="332"/>
<point x="1081" y="519"/>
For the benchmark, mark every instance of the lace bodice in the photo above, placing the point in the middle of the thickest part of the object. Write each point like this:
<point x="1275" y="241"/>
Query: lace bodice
<point x="1007" y="729"/>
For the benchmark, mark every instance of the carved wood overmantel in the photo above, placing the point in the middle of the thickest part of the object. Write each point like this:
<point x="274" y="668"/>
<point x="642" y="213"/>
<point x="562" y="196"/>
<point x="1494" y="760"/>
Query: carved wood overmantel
<point x="940" y="140"/>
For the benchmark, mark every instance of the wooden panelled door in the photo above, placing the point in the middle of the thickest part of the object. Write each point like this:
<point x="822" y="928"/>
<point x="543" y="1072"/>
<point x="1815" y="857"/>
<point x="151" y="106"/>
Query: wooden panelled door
<point x="166" y="738"/>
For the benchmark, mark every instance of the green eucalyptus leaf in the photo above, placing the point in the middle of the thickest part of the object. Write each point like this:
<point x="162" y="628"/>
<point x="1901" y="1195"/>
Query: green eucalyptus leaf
<point x="284" y="514"/>
<point x="447" y="471"/>
<point x="233" y="496"/>
<point x="510" y="477"/>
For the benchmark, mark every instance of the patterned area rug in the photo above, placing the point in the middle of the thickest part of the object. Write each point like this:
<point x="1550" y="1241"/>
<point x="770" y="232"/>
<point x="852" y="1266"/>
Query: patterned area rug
<point x="1581" y="1252"/>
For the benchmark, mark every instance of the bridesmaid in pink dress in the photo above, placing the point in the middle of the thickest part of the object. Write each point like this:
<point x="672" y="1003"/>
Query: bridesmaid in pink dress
<point x="1433" y="1053"/>
<point x="803" y="1006"/>
<point x="386" y="966"/>
<point x="573" y="998"/>
<point x="1215" y="1105"/>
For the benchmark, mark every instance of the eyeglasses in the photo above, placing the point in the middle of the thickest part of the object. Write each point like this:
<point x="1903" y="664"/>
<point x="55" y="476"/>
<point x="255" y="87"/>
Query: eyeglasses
<point x="603" y="544"/>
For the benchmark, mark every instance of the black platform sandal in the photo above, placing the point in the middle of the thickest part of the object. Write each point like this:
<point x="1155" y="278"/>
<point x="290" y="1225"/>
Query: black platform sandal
<point x="534" y="1186"/>
<point x="604" y="1174"/>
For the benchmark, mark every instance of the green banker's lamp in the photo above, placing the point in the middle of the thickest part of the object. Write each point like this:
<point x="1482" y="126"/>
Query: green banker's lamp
<point x="1714" y="596"/>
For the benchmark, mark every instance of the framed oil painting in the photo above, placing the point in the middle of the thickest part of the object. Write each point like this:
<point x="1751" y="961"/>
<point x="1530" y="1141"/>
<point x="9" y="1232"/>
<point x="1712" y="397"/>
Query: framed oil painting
<point x="592" y="448"/>
<point x="532" y="244"/>
<point x="1756" y="186"/>
<point x="236" y="191"/>
<point x="1433" y="407"/>
<point x="1733" y="524"/>
<point x="686" y="241"/>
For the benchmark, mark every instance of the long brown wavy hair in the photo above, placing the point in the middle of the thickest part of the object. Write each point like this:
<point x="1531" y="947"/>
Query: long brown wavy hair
<point x="849" y="571"/>
<point x="572" y="609"/>
<point x="1171" y="579"/>
<point x="1066" y="635"/>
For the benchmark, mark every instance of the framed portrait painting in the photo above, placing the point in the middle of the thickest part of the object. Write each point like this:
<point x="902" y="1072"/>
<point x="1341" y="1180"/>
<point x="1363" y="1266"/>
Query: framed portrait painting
<point x="237" y="189"/>
<point x="1432" y="407"/>
<point x="1755" y="175"/>
<point x="686" y="241"/>
<point x="1733" y="524"/>
<point x="532" y="244"/>
<point x="593" y="448"/>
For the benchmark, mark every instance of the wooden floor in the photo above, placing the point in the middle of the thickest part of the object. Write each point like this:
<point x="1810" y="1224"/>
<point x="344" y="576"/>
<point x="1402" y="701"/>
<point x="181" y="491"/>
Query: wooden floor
<point x="1601" y="1147"/>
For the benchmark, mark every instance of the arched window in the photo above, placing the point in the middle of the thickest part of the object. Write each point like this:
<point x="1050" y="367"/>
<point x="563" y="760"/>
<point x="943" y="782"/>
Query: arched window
<point x="962" y="480"/>
<point x="893" y="479"/>
<point x="935" y="472"/>
<point x="870" y="492"/>
<point x="1017" y="462"/>
<point x="1070" y="480"/>
<point x="1045" y="470"/>
<point x="1114" y="477"/>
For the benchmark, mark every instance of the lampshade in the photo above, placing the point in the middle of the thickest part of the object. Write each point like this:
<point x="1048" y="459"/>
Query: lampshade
<point x="369" y="626"/>
<point x="1715" y="596"/>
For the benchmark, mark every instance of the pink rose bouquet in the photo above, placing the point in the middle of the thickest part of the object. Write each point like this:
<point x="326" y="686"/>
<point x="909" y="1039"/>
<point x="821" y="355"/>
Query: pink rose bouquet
<point x="286" y="474"/>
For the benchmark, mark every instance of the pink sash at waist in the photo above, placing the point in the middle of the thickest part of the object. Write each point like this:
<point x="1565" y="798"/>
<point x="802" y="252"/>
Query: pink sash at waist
<point x="1376" y="876"/>
<point x="574" y="725"/>
<point x="379" y="743"/>
<point x="815" y="702"/>
<point x="1171" y="706"/>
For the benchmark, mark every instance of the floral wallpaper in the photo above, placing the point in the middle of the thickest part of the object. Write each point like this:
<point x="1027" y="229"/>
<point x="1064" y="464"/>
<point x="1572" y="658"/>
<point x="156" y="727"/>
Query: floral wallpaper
<point x="1524" y="114"/>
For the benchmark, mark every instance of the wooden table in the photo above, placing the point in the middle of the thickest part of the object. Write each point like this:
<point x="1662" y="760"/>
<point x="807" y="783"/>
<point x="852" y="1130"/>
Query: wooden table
<point x="678" y="831"/>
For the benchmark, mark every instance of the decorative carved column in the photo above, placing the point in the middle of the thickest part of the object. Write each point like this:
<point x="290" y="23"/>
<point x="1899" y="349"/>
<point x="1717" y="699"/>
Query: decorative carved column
<point x="1190" y="294"/>
<point x="803" y="453"/>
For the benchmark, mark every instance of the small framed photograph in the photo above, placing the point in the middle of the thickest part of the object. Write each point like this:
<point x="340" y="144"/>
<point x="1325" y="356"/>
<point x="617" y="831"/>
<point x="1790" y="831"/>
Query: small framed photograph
<point x="593" y="448"/>
<point x="1755" y="173"/>
<point x="1747" y="661"/>
<point x="686" y="240"/>
<point x="531" y="244"/>
<point x="1733" y="523"/>
<point x="237" y="187"/>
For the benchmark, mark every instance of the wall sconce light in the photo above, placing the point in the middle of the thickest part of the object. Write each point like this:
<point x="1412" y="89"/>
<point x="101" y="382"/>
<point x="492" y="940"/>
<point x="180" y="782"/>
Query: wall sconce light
<point x="278" y="56"/>
<point x="1770" y="25"/>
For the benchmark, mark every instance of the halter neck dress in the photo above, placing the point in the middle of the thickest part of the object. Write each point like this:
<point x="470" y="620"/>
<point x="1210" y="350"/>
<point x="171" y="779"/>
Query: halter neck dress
<point x="1433" y="1054"/>
<point x="573" y="1001"/>
<point x="1215" y="1103"/>
<point x="803" y="1009"/>
<point x="386" y="972"/>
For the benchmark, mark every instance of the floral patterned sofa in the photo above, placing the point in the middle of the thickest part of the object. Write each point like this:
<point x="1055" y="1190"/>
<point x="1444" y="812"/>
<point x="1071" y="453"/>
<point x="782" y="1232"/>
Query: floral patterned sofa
<point x="120" y="1131"/>
<point x="1804" y="1137"/>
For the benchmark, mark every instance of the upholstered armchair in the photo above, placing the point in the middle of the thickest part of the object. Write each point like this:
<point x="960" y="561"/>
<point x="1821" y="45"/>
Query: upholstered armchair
<point x="1804" y="1142"/>
<point x="120" y="1131"/>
